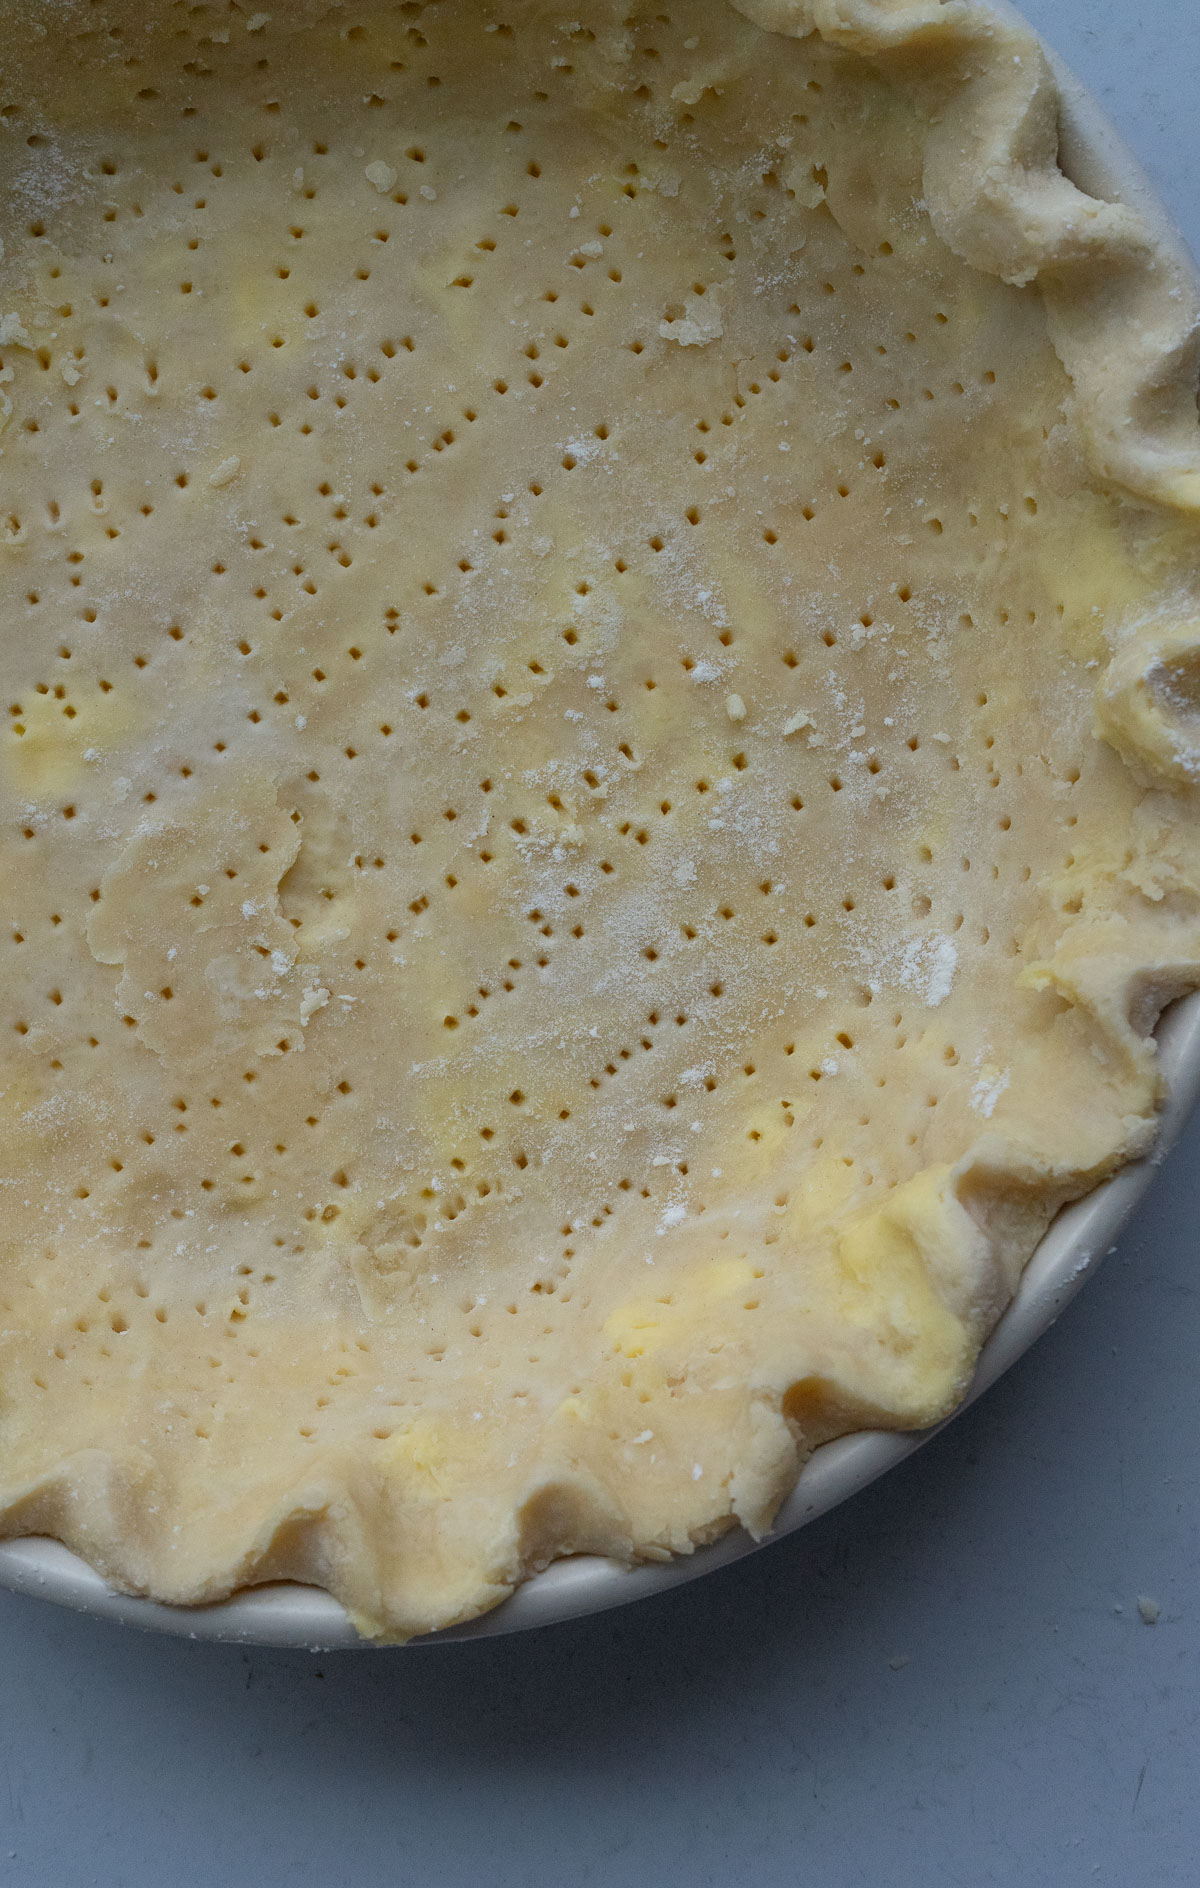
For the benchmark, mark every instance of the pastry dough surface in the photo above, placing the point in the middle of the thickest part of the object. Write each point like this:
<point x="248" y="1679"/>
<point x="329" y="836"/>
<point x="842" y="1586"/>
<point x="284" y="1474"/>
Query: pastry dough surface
<point x="598" y="791"/>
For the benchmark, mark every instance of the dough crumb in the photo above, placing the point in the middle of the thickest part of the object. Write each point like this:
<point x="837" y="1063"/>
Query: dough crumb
<point x="700" y="324"/>
<point x="314" y="998"/>
<point x="13" y="332"/>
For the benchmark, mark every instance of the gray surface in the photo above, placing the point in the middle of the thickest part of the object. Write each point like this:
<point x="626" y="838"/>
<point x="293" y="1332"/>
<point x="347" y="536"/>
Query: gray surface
<point x="754" y="1725"/>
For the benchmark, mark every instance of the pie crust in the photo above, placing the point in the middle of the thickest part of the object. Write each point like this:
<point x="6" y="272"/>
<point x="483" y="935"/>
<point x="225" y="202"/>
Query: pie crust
<point x="599" y="791"/>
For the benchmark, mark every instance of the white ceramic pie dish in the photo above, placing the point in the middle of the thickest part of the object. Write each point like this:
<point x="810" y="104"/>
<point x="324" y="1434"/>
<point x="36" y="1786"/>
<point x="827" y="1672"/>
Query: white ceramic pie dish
<point x="291" y="1615"/>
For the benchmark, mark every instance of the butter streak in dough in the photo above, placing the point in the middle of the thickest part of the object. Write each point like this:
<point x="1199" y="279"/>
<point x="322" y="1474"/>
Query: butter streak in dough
<point x="599" y="793"/>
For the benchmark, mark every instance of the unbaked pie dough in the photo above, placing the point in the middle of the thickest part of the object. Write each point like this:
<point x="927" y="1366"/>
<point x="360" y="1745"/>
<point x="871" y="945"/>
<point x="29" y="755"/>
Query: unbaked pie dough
<point x="602" y="656"/>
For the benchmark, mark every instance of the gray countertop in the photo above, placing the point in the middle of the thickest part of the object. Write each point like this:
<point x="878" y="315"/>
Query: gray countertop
<point x="947" y="1681"/>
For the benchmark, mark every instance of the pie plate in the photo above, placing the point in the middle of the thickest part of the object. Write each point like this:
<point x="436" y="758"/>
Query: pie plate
<point x="288" y="1614"/>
